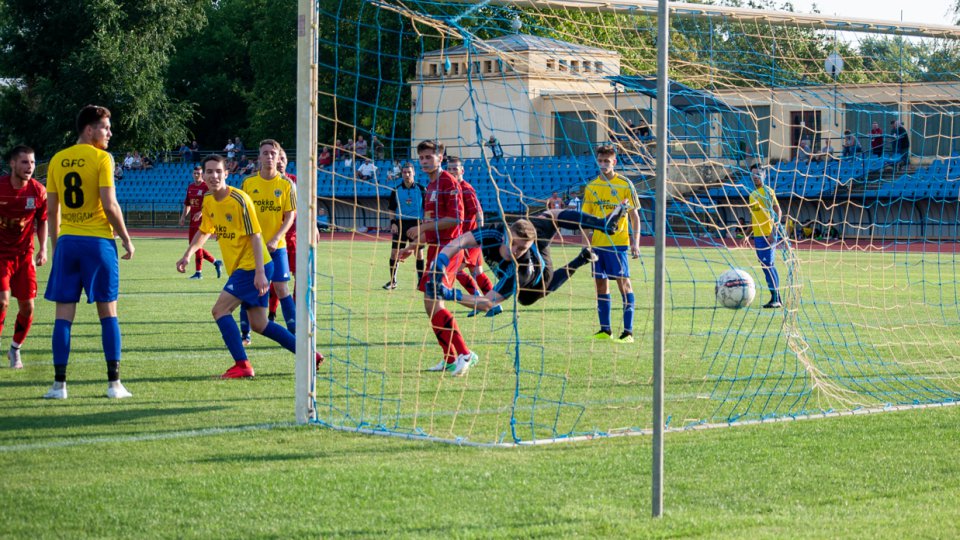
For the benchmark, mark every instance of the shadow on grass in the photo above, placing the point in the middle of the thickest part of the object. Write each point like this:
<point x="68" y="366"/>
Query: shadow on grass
<point x="61" y="421"/>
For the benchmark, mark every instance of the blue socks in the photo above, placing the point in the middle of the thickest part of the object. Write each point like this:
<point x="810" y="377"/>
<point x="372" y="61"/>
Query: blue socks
<point x="603" y="311"/>
<point x="289" y="310"/>
<point x="628" y="302"/>
<point x="61" y="341"/>
<point x="773" y="281"/>
<point x="231" y="337"/>
<point x="244" y="322"/>
<point x="281" y="335"/>
<point x="110" y="338"/>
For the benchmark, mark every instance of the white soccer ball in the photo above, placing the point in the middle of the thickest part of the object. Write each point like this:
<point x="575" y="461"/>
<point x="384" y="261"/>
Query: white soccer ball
<point x="735" y="289"/>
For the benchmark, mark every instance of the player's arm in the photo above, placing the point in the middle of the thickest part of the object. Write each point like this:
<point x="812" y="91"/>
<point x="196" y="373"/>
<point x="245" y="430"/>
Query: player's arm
<point x="108" y="198"/>
<point x="41" y="256"/>
<point x="195" y="244"/>
<point x="464" y="241"/>
<point x="480" y="303"/>
<point x="184" y="215"/>
<point x="289" y="218"/>
<point x="53" y="218"/>
<point x="260" y="280"/>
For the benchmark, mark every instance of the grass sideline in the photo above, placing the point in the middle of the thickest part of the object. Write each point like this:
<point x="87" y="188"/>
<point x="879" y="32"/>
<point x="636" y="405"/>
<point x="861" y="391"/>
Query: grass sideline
<point x="192" y="456"/>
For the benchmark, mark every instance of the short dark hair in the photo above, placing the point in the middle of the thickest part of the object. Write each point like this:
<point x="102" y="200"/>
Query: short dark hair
<point x="215" y="157"/>
<point x="407" y="165"/>
<point x="91" y="114"/>
<point x="454" y="159"/>
<point x="606" y="150"/>
<point x="523" y="229"/>
<point x="17" y="150"/>
<point x="436" y="146"/>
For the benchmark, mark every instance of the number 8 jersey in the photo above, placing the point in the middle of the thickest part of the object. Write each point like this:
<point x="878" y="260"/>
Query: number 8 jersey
<point x="75" y="175"/>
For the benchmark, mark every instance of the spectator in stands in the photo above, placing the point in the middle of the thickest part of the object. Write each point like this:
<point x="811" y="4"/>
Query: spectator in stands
<point x="495" y="149"/>
<point x="367" y="171"/>
<point x="377" y="148"/>
<point x="348" y="150"/>
<point x="145" y="161"/>
<point x="641" y="131"/>
<point x="876" y="139"/>
<point x="137" y="162"/>
<point x="395" y="171"/>
<point x="326" y="157"/>
<point x="249" y="167"/>
<point x="574" y="202"/>
<point x="851" y="145"/>
<point x="360" y="147"/>
<point x="804" y="152"/>
<point x="555" y="202"/>
<point x="195" y="150"/>
<point x="238" y="147"/>
<point x="323" y="220"/>
<point x="128" y="161"/>
<point x="117" y="174"/>
<point x="231" y="150"/>
<point x="826" y="152"/>
<point x="901" y="143"/>
<point x="186" y="155"/>
<point x="232" y="166"/>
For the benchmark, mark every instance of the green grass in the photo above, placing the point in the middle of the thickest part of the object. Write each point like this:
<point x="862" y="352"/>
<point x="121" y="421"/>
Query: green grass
<point x="193" y="456"/>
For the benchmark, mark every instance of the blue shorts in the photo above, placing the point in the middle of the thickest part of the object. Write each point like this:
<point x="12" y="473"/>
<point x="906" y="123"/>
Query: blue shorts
<point x="764" y="249"/>
<point x="612" y="262"/>
<point x="281" y="266"/>
<point x="84" y="263"/>
<point x="240" y="284"/>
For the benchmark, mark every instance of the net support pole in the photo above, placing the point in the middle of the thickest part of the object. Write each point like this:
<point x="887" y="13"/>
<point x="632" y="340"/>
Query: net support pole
<point x="659" y="235"/>
<point x="305" y="291"/>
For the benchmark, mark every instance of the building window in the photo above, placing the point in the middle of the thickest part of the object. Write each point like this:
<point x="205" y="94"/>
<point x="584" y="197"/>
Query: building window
<point x="433" y="70"/>
<point x="551" y="65"/>
<point x="586" y="66"/>
<point x="563" y="65"/>
<point x="456" y="68"/>
<point x="598" y="67"/>
<point x="574" y="66"/>
<point x="487" y="66"/>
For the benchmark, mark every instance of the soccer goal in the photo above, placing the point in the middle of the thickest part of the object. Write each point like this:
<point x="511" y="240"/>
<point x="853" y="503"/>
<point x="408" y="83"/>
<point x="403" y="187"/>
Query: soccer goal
<point x="851" y="125"/>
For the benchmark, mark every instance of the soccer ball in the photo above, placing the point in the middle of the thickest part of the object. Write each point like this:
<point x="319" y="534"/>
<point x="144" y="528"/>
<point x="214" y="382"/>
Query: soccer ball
<point x="735" y="289"/>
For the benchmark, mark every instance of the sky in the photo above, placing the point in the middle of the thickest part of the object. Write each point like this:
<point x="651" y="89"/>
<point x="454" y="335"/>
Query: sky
<point x="924" y="11"/>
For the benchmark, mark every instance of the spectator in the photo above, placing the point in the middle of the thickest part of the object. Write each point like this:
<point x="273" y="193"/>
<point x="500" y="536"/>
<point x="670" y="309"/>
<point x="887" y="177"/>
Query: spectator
<point x="238" y="147"/>
<point x="851" y="145"/>
<point x="575" y="203"/>
<point x="128" y="161"/>
<point x="901" y="143"/>
<point x="326" y="157"/>
<point x="360" y="147"/>
<point x="348" y="150"/>
<point x="826" y="152"/>
<point x="804" y="152"/>
<point x="377" y="148"/>
<point x="339" y="150"/>
<point x="137" y="162"/>
<point x="232" y="165"/>
<point x="323" y="220"/>
<point x="145" y="162"/>
<point x="251" y="167"/>
<point x="186" y="155"/>
<point x="555" y="202"/>
<point x="495" y="149"/>
<point x="876" y="141"/>
<point x="642" y="131"/>
<point x="367" y="170"/>
<point x="230" y="149"/>
<point x="395" y="171"/>
<point x="118" y="173"/>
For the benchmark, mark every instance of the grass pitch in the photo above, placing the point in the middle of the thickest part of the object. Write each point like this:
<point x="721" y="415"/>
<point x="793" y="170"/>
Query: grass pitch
<point x="193" y="456"/>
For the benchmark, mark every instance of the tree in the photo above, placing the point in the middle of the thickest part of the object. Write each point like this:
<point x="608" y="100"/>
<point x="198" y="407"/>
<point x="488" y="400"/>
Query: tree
<point x="114" y="53"/>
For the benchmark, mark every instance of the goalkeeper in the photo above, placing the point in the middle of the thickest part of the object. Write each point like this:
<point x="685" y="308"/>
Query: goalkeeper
<point x="519" y="256"/>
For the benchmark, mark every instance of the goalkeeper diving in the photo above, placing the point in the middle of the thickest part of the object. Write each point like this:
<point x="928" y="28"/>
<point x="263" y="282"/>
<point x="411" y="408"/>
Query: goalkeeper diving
<point x="519" y="256"/>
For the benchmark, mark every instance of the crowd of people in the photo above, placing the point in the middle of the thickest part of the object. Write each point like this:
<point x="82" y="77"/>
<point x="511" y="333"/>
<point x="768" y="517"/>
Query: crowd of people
<point x="850" y="146"/>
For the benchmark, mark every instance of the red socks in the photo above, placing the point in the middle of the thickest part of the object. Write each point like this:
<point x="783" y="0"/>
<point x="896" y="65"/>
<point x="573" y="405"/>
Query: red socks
<point x="22" y="328"/>
<point x="448" y="335"/>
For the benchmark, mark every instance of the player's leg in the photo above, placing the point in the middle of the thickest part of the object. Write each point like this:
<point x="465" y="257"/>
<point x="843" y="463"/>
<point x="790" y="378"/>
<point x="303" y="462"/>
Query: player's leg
<point x="585" y="257"/>
<point x="572" y="219"/>
<point x="102" y="281"/>
<point x="765" y="253"/>
<point x="280" y="279"/>
<point x="222" y="312"/>
<point x="420" y="263"/>
<point x="63" y="287"/>
<point x="273" y="304"/>
<point x="111" y="342"/>
<point x="4" y="306"/>
<point x="457" y="358"/>
<point x="629" y="304"/>
<point x="198" y="256"/>
<point x="244" y="326"/>
<point x="603" y="307"/>
<point x="397" y="243"/>
<point x="20" y="331"/>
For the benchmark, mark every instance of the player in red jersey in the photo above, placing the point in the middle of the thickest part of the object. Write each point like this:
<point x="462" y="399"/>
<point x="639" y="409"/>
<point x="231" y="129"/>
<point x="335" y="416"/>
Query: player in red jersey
<point x="442" y="218"/>
<point x="291" y="239"/>
<point x="471" y="276"/>
<point x="191" y="210"/>
<point x="23" y="211"/>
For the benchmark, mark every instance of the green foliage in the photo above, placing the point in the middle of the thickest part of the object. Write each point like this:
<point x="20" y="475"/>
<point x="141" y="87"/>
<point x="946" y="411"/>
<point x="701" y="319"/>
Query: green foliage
<point x="109" y="52"/>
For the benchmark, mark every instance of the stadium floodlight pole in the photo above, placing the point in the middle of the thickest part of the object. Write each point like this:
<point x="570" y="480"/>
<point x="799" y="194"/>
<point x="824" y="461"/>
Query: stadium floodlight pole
<point x="660" y="235"/>
<point x="308" y="25"/>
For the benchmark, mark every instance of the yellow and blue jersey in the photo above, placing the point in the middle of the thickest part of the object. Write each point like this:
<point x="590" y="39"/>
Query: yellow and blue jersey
<point x="233" y="220"/>
<point x="75" y="175"/>
<point x="600" y="197"/>
<point x="271" y="198"/>
<point x="762" y="211"/>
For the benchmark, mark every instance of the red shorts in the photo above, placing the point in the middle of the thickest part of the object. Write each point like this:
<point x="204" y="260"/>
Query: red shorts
<point x="19" y="276"/>
<point x="450" y="275"/>
<point x="194" y="229"/>
<point x="473" y="257"/>
<point x="292" y="257"/>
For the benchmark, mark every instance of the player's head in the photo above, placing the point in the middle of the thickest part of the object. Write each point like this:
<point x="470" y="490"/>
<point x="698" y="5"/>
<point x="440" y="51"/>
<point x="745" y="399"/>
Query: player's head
<point x="430" y="155"/>
<point x="455" y="167"/>
<point x="269" y="156"/>
<point x="522" y="236"/>
<point x="215" y="172"/>
<point x="22" y="162"/>
<point x="198" y="173"/>
<point x="408" y="173"/>
<point x="606" y="158"/>
<point x="757" y="176"/>
<point x="282" y="162"/>
<point x="93" y="126"/>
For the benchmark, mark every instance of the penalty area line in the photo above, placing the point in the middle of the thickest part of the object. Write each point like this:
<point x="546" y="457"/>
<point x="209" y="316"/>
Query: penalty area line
<point x="143" y="438"/>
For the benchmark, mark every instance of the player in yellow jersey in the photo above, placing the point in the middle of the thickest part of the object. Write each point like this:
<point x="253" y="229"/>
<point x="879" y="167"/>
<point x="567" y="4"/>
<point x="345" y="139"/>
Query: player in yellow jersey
<point x="601" y="197"/>
<point x="230" y="214"/>
<point x="275" y="199"/>
<point x="83" y="217"/>
<point x="765" y="215"/>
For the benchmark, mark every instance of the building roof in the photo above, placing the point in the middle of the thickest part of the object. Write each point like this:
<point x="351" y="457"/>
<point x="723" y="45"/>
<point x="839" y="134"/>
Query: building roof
<point x="524" y="43"/>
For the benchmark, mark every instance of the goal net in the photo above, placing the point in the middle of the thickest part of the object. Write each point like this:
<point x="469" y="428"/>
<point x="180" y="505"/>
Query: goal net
<point x="852" y="126"/>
